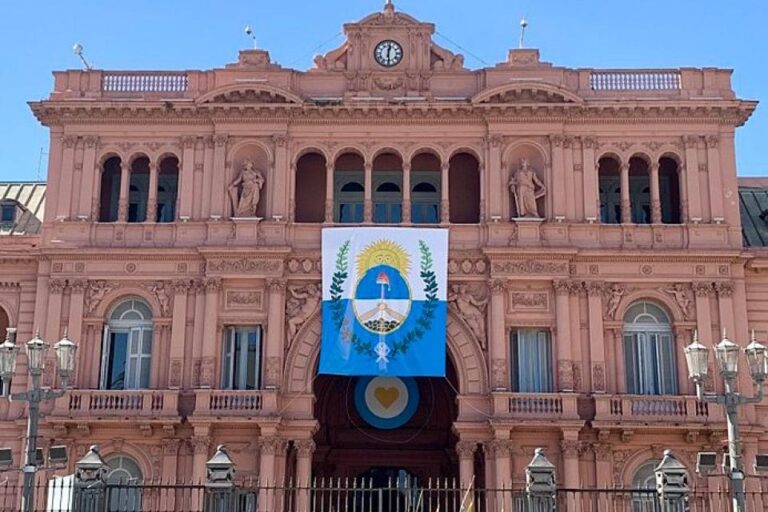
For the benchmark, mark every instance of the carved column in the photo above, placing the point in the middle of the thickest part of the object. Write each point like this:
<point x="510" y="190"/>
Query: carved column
<point x="626" y="205"/>
<point x="277" y="196"/>
<point x="655" y="197"/>
<point x="564" y="356"/>
<point x="328" y="192"/>
<point x="406" y="192"/>
<point x="220" y="178"/>
<point x="445" y="204"/>
<point x="90" y="178"/>
<point x="269" y="448"/>
<point x="305" y="448"/>
<point x="275" y="337"/>
<point x="75" y="321"/>
<point x="617" y="337"/>
<point x="571" y="470"/>
<point x="715" y="179"/>
<point x="170" y="446"/>
<point x="502" y="451"/>
<point x="558" y="175"/>
<point x="498" y="341"/>
<point x="152" y="196"/>
<point x="198" y="327"/>
<point x="178" y="333"/>
<point x="187" y="178"/>
<point x="494" y="169"/>
<point x="596" y="342"/>
<point x="724" y="291"/>
<point x="589" y="179"/>
<point x="466" y="453"/>
<point x="683" y="337"/>
<point x="211" y="344"/>
<point x="122" y="203"/>
<point x="66" y="172"/>
<point x="201" y="443"/>
<point x="204" y="195"/>
<point x="692" y="181"/>
<point x="603" y="465"/>
<point x="368" y="194"/>
<point x="55" y="290"/>
<point x="703" y="291"/>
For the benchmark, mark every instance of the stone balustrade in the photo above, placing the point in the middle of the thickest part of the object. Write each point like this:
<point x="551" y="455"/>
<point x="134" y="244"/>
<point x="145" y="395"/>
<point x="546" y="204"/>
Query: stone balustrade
<point x="227" y="403"/>
<point x="654" y="409"/>
<point x="95" y="404"/>
<point x="536" y="406"/>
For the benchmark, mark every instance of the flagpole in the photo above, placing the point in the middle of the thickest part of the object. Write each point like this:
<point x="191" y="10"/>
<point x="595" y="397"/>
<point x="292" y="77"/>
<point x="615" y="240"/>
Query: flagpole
<point x="466" y="494"/>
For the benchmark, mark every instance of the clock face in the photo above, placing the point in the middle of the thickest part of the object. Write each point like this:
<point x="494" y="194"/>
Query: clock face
<point x="388" y="53"/>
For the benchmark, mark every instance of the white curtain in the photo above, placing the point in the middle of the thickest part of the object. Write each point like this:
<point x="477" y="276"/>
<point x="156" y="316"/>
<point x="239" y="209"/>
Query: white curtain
<point x="532" y="361"/>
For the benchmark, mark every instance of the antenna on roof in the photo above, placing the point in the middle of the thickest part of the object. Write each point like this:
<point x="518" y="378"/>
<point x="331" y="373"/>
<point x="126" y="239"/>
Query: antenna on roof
<point x="523" y="25"/>
<point x="389" y="6"/>
<point x="249" y="33"/>
<point x="77" y="49"/>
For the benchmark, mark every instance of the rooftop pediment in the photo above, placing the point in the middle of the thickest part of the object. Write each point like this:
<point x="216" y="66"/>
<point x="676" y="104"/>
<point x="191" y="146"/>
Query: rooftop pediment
<point x="251" y="94"/>
<point x="526" y="92"/>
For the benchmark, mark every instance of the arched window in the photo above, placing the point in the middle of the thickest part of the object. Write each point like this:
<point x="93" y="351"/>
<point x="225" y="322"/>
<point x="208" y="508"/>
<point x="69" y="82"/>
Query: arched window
<point x="167" y="189"/>
<point x="348" y="189"/>
<point x="425" y="189"/>
<point x="639" y="191"/>
<point x="387" y="189"/>
<point x="123" y="480"/>
<point x="649" y="351"/>
<point x="109" y="193"/>
<point x="645" y="499"/>
<point x="309" y="199"/>
<point x="609" y="182"/>
<point x="138" y="190"/>
<point x="669" y="190"/>
<point x="127" y="347"/>
<point x="464" y="189"/>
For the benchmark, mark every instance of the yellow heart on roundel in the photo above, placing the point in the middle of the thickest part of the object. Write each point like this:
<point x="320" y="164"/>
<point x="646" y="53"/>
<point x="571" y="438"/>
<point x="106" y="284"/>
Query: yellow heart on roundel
<point x="386" y="396"/>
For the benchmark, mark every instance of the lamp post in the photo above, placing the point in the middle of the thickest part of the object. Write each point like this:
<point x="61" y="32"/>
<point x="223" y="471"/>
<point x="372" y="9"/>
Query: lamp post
<point x="727" y="356"/>
<point x="36" y="350"/>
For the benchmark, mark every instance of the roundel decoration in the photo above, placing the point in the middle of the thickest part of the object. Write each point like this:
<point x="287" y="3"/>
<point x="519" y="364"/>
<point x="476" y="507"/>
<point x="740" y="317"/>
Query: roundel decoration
<point x="386" y="402"/>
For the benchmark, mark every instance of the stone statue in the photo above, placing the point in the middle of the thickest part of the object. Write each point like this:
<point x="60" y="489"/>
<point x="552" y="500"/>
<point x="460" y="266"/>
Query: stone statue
<point x="526" y="188"/>
<point x="615" y="294"/>
<point x="245" y="191"/>
<point x="302" y="304"/>
<point x="682" y="296"/>
<point x="470" y="308"/>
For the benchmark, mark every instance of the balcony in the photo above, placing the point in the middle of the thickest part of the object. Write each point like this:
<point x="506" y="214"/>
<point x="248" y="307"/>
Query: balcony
<point x="536" y="407"/>
<point x="232" y="404"/>
<point x="135" y="404"/>
<point x="664" y="410"/>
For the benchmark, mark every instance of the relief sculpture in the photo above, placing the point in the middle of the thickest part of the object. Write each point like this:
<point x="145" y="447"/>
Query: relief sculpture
<point x="300" y="306"/>
<point x="470" y="307"/>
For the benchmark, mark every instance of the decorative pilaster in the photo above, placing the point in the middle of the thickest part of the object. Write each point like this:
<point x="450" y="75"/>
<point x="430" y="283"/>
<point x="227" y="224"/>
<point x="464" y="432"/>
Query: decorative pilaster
<point x="597" y="344"/>
<point x="570" y="451"/>
<point x="559" y="176"/>
<point x="406" y="193"/>
<point x="445" y="203"/>
<point x="589" y="179"/>
<point x="626" y="205"/>
<point x="178" y="333"/>
<point x="220" y="179"/>
<point x="564" y="355"/>
<point x="90" y="178"/>
<point x="122" y="203"/>
<point x="703" y="290"/>
<point x="210" y="345"/>
<point x="466" y="452"/>
<point x="368" y="193"/>
<point x="715" y="179"/>
<point x="152" y="196"/>
<point x="305" y="448"/>
<point x="63" y="203"/>
<point x="329" y="168"/>
<point x="187" y="177"/>
<point x="275" y="325"/>
<point x="691" y="172"/>
<point x="498" y="341"/>
<point x="655" y="197"/>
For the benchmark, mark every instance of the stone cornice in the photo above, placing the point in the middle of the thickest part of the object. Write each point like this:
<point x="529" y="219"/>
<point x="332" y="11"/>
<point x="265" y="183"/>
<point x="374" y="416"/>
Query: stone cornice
<point x="721" y="112"/>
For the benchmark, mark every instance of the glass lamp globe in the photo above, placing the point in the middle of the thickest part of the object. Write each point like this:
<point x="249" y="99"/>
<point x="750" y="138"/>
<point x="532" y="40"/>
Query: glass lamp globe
<point x="8" y="353"/>
<point x="65" y="355"/>
<point x="727" y="353"/>
<point x="36" y="349"/>
<point x="697" y="357"/>
<point x="755" y="353"/>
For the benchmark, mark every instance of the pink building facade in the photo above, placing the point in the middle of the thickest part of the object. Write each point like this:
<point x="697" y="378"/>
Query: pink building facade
<point x="180" y="249"/>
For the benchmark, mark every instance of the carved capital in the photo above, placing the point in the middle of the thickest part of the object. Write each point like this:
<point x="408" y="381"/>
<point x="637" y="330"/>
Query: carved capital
<point x="220" y="140"/>
<point x="212" y="284"/>
<point x="561" y="286"/>
<point x="570" y="448"/>
<point x="201" y="444"/>
<point x="499" y="286"/>
<point x="691" y="141"/>
<point x="595" y="288"/>
<point x="713" y="141"/>
<point x="271" y="445"/>
<point x="703" y="288"/>
<point x="556" y="140"/>
<point x="78" y="285"/>
<point x="57" y="286"/>
<point x="501" y="447"/>
<point x="305" y="447"/>
<point x="589" y="142"/>
<point x="188" y="141"/>
<point x="724" y="288"/>
<point x="602" y="451"/>
<point x="277" y="285"/>
<point x="182" y="286"/>
<point x="466" y="449"/>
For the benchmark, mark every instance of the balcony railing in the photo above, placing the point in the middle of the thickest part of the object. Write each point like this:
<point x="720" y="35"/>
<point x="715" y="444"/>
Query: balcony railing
<point x="144" y="82"/>
<point x="632" y="80"/>
<point x="536" y="406"/>
<point x="218" y="402"/>
<point x="113" y="404"/>
<point x="646" y="409"/>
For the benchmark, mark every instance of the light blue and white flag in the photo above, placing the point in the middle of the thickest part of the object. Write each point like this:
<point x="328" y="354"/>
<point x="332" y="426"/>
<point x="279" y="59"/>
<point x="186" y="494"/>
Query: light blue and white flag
<point x="384" y="301"/>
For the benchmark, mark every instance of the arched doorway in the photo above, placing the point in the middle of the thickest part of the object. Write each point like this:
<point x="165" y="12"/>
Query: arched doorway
<point x="349" y="447"/>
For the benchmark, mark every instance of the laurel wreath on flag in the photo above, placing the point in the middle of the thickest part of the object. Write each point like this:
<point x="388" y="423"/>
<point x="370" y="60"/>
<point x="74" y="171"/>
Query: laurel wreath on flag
<point x="423" y="323"/>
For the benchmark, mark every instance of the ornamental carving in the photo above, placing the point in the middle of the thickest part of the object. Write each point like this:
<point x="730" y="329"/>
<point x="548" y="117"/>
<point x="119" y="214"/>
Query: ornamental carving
<point x="530" y="267"/>
<point x="302" y="303"/>
<point x="251" y="299"/>
<point x="174" y="379"/>
<point x="470" y="305"/>
<point x="594" y="288"/>
<point x="561" y="286"/>
<point x="565" y="374"/>
<point x="272" y="370"/>
<point x="245" y="190"/>
<point x="466" y="449"/>
<point x="570" y="448"/>
<point x="499" y="373"/>
<point x="245" y="265"/>
<point x="526" y="188"/>
<point x="303" y="265"/>
<point x="160" y="291"/>
<point x="598" y="376"/>
<point x="57" y="286"/>
<point x="78" y="285"/>
<point x="305" y="447"/>
<point x="529" y="300"/>
<point x="207" y="371"/>
<point x="201" y="444"/>
<point x="613" y="295"/>
<point x="95" y="293"/>
<point x="501" y="447"/>
<point x="703" y="289"/>
<point x="724" y="288"/>
<point x="467" y="266"/>
<point x="602" y="451"/>
<point x="271" y="445"/>
<point x="683" y="296"/>
<point x="182" y="286"/>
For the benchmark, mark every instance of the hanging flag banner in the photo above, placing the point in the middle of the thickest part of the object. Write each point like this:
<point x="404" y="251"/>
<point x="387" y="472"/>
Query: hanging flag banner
<point x="384" y="302"/>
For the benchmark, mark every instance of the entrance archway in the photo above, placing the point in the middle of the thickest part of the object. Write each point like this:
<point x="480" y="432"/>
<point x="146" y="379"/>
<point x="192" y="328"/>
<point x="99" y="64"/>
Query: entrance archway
<point x="349" y="447"/>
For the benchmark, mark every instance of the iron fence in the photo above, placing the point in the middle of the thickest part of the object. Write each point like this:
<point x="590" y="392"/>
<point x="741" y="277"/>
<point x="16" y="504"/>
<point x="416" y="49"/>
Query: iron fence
<point x="353" y="495"/>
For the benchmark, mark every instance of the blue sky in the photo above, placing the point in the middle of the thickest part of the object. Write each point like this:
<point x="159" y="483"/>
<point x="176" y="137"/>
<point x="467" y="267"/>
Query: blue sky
<point x="36" y="37"/>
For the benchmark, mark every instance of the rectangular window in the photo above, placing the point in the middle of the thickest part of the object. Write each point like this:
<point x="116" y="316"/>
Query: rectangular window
<point x="7" y="213"/>
<point x="649" y="361"/>
<point x="127" y="358"/>
<point x="241" y="361"/>
<point x="531" y="357"/>
<point x="351" y="212"/>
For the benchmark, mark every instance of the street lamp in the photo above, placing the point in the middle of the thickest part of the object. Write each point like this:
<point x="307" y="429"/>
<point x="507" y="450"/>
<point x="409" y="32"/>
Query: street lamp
<point x="36" y="349"/>
<point x="727" y="356"/>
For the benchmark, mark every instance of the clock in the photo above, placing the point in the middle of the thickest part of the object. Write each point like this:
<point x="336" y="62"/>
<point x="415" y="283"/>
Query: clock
<point x="388" y="53"/>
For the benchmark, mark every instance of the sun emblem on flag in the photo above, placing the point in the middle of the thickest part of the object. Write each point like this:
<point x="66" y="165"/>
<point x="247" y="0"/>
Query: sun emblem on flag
<point x="382" y="298"/>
